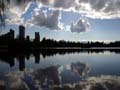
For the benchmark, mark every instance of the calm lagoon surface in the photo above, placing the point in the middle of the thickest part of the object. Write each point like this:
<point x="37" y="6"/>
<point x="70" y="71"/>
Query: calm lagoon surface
<point x="59" y="68"/>
<point x="106" y="63"/>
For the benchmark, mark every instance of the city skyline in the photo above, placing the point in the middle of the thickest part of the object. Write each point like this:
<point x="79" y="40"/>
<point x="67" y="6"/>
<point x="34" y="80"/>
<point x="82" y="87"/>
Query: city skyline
<point x="22" y="42"/>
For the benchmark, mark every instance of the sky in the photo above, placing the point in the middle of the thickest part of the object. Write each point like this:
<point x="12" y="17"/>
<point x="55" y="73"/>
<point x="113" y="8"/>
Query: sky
<point x="73" y="20"/>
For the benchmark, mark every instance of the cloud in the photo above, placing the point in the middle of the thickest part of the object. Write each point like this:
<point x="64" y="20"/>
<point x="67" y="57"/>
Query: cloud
<point x="40" y="18"/>
<point x="66" y="4"/>
<point x="101" y="9"/>
<point x="15" y="10"/>
<point x="63" y="4"/>
<point x="43" y="19"/>
<point x="82" y="25"/>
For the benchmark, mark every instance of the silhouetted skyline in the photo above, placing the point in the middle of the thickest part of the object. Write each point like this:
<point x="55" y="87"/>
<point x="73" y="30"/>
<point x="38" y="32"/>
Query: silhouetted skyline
<point x="25" y="43"/>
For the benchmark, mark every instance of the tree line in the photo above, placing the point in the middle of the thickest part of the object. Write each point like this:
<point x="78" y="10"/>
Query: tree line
<point x="9" y="41"/>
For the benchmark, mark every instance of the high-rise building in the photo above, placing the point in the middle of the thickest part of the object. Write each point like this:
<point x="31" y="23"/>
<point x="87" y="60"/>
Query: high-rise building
<point x="21" y="32"/>
<point x="11" y="33"/>
<point x="37" y="36"/>
<point x="28" y="38"/>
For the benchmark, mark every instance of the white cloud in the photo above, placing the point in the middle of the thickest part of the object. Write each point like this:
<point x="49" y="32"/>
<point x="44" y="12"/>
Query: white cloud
<point x="19" y="7"/>
<point x="63" y="4"/>
<point x="105" y="9"/>
<point x="102" y="9"/>
<point x="66" y="4"/>
<point x="51" y="21"/>
<point x="82" y="25"/>
<point x="16" y="10"/>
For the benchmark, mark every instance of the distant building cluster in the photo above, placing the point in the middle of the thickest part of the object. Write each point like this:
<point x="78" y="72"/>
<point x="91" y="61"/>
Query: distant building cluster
<point x="9" y="35"/>
<point x="21" y="36"/>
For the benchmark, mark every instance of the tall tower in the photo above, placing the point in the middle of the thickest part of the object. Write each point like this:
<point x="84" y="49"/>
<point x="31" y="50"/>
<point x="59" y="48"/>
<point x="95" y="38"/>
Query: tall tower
<point x="37" y="36"/>
<point x="21" y="32"/>
<point x="11" y="34"/>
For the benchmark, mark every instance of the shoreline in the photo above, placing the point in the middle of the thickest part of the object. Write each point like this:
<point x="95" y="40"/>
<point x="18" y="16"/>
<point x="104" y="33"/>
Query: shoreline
<point x="9" y="47"/>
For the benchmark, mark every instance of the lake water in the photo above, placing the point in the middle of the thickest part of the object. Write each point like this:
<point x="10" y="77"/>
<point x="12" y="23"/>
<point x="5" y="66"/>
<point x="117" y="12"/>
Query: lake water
<point x="61" y="67"/>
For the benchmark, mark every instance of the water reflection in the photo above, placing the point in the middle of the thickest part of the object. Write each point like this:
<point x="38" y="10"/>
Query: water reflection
<point x="44" y="78"/>
<point x="51" y="78"/>
<point x="72" y="74"/>
<point x="10" y="57"/>
<point x="75" y="72"/>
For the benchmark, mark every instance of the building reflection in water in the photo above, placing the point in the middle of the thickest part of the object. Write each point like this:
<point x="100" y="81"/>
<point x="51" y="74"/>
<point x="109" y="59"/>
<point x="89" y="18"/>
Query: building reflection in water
<point x="9" y="57"/>
<point x="21" y="60"/>
<point x="37" y="58"/>
<point x="11" y="61"/>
